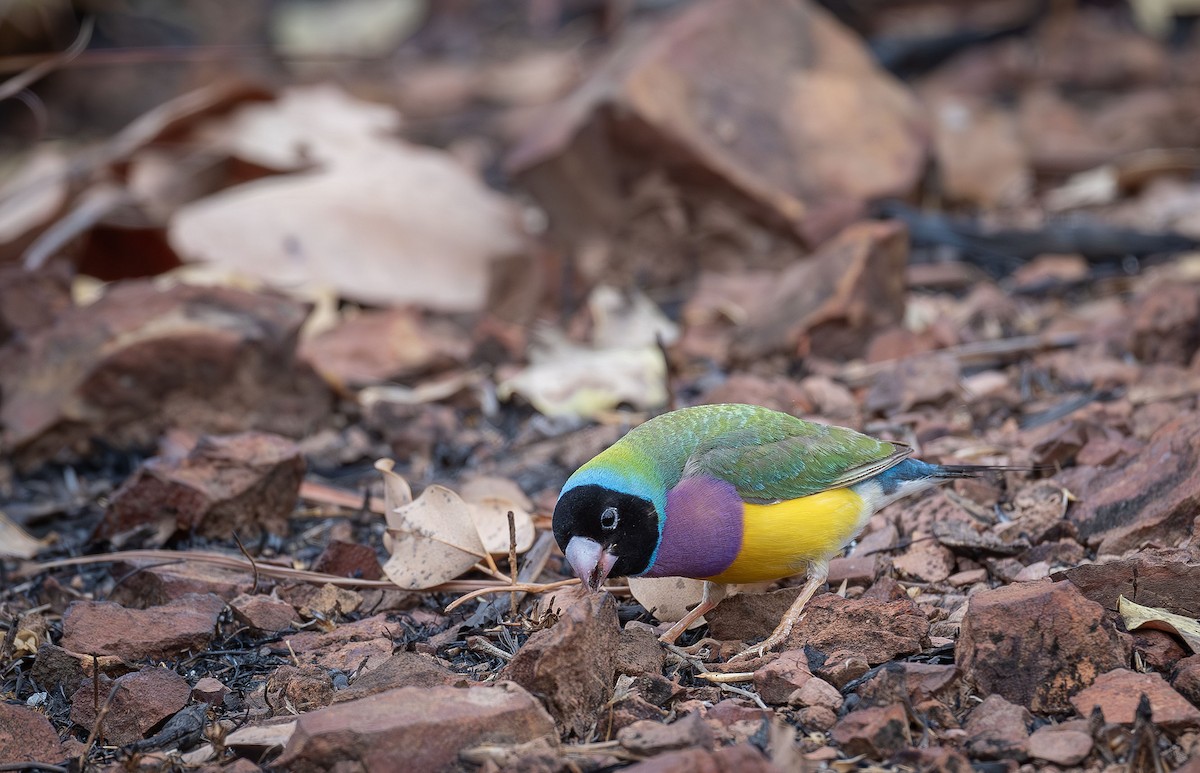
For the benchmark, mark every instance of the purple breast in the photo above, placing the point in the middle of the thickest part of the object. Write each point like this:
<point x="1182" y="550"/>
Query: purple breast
<point x="703" y="530"/>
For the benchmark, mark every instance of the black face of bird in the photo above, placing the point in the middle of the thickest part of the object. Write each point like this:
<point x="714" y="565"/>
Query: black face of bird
<point x="604" y="532"/>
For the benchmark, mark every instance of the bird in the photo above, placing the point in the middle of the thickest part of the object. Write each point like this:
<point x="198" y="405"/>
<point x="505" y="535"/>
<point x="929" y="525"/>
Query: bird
<point x="733" y="493"/>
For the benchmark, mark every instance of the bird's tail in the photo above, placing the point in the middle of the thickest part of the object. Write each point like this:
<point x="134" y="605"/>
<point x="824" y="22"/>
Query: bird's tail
<point x="912" y="475"/>
<point x="956" y="471"/>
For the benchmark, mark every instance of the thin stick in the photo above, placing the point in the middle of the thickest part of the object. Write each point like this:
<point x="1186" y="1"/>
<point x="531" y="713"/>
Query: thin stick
<point x="100" y="717"/>
<point x="976" y="352"/>
<point x="719" y="678"/>
<point x="18" y="83"/>
<point x="266" y="570"/>
<point x="512" y="562"/>
<point x="527" y="587"/>
<point x="250" y="558"/>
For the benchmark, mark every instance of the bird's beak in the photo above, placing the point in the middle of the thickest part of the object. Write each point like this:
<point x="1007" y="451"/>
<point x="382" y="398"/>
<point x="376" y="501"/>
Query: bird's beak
<point x="590" y="560"/>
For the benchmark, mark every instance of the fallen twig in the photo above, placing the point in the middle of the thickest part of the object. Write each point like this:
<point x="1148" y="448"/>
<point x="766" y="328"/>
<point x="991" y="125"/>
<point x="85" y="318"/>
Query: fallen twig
<point x="264" y="570"/>
<point x="975" y="353"/>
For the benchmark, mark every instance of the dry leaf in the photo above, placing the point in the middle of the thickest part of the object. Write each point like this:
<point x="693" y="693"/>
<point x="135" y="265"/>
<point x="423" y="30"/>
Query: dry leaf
<point x="1137" y="616"/>
<point x="624" y="365"/>
<point x="490" y="515"/>
<point x="382" y="221"/>
<point x="32" y="194"/>
<point x="491" y="499"/>
<point x="15" y="542"/>
<point x="434" y="540"/>
<point x="567" y="380"/>
<point x="667" y="598"/>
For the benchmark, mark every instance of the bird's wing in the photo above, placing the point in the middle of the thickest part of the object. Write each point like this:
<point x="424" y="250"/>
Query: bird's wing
<point x="794" y="460"/>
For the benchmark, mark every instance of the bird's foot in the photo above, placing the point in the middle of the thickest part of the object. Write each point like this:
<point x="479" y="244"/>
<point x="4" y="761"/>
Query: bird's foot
<point x="707" y="643"/>
<point x="755" y="651"/>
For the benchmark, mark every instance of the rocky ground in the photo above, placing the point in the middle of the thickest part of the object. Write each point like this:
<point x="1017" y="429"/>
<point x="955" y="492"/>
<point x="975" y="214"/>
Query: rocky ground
<point x="968" y="227"/>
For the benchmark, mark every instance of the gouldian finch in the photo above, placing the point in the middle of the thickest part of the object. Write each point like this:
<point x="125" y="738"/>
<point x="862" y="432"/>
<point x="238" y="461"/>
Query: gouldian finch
<point x="732" y="494"/>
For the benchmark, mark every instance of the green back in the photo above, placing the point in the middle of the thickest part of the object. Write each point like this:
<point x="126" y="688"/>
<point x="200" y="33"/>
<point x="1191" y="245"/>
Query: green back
<point x="768" y="456"/>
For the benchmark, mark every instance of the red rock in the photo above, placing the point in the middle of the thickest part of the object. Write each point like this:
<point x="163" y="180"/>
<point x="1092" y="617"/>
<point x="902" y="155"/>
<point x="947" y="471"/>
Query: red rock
<point x="655" y="99"/>
<point x="403" y="669"/>
<point x="243" y="483"/>
<point x="32" y="300"/>
<point x="142" y="700"/>
<point x="345" y="646"/>
<point x="934" y="759"/>
<point x="777" y="393"/>
<point x="873" y="630"/>
<point x="748" y="616"/>
<point x="998" y="730"/>
<point x="295" y="689"/>
<point x="1163" y="579"/>
<point x="1061" y="747"/>
<point x="140" y="359"/>
<point x="265" y="613"/>
<point x="150" y="585"/>
<point x="382" y="345"/>
<point x="778" y="679"/>
<point x="572" y="665"/>
<point x="650" y="737"/>
<point x="56" y="666"/>
<point x="27" y="736"/>
<point x="156" y="633"/>
<point x="817" y="692"/>
<point x="841" y="669"/>
<point x="1117" y="694"/>
<point x="330" y="603"/>
<point x="1186" y="679"/>
<point x="903" y="681"/>
<point x="1153" y="496"/>
<point x="634" y="708"/>
<point x="982" y="160"/>
<point x="819" y="718"/>
<point x="877" y="732"/>
<point x="349" y="559"/>
<point x="925" y="560"/>
<point x="740" y="758"/>
<point x="1166" y="318"/>
<point x="1036" y="644"/>
<point x="1159" y="650"/>
<point x="855" y="570"/>
<point x="920" y="381"/>
<point x="413" y="728"/>
<point x="639" y="653"/>
<point x="210" y="691"/>
<point x="827" y="304"/>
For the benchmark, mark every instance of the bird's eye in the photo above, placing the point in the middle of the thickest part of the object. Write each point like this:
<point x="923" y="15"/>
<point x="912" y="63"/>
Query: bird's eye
<point x="609" y="518"/>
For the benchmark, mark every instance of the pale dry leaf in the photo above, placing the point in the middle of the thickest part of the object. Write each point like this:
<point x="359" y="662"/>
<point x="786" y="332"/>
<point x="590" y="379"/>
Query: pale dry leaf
<point x="484" y="486"/>
<point x="306" y="125"/>
<point x="310" y="29"/>
<point x="433" y="538"/>
<point x="628" y="320"/>
<point x="667" y="598"/>
<point x="15" y="542"/>
<point x="396" y="494"/>
<point x="393" y="225"/>
<point x="624" y="364"/>
<point x="1138" y="616"/>
<point x="32" y="194"/>
<point x="568" y="380"/>
<point x="490" y="515"/>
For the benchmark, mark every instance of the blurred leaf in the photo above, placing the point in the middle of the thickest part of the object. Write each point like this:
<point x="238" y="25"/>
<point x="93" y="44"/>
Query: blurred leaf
<point x="624" y="365"/>
<point x="15" y="542"/>
<point x="382" y="221"/>
<point x="1137" y="616"/>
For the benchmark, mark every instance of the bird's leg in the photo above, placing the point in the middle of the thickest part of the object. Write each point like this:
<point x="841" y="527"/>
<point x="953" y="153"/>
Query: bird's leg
<point x="817" y="574"/>
<point x="713" y="593"/>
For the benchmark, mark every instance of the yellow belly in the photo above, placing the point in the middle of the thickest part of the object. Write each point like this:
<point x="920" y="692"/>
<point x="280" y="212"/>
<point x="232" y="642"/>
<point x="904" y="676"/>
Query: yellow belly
<point x="780" y="540"/>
